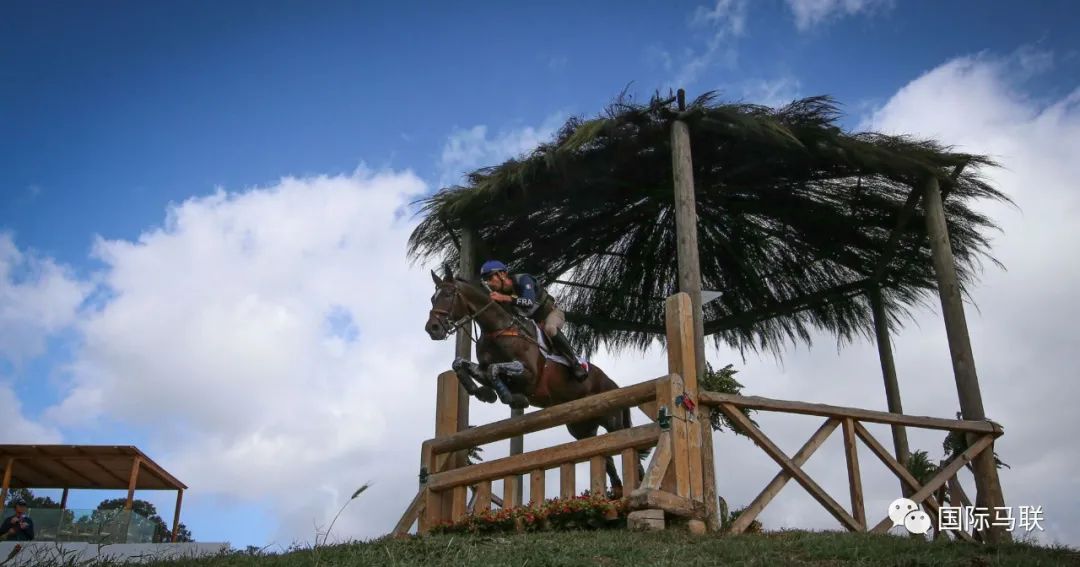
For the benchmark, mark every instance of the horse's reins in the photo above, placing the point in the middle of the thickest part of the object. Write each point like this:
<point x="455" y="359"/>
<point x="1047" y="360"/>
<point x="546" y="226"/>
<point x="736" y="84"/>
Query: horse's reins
<point x="455" y="326"/>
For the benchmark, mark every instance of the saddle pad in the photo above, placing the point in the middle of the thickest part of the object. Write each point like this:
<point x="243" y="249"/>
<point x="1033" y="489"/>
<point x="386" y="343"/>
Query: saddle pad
<point x="545" y="348"/>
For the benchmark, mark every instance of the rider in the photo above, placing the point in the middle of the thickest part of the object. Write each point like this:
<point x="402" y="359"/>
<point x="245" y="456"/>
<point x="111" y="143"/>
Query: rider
<point x="529" y="299"/>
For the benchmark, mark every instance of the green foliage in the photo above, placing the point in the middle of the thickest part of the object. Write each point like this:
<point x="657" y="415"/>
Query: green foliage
<point x="32" y="501"/>
<point x="794" y="219"/>
<point x="956" y="443"/>
<point x="723" y="381"/>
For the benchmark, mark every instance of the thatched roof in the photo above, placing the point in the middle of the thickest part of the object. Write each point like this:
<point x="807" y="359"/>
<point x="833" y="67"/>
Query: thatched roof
<point x="795" y="217"/>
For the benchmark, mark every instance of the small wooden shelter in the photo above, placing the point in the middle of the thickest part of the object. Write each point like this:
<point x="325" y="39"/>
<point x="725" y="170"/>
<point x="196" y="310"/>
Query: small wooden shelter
<point x="86" y="467"/>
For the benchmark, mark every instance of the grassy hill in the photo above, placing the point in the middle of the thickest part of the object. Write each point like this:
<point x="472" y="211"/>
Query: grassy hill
<point x="675" y="548"/>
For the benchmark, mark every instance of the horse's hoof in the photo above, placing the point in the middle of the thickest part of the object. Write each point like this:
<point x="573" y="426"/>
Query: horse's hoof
<point x="519" y="402"/>
<point x="486" y="394"/>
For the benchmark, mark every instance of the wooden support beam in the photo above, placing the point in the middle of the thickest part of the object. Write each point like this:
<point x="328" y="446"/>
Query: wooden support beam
<point x="597" y="480"/>
<point x="750" y="513"/>
<point x="888" y="373"/>
<point x="132" y="482"/>
<point x="567" y="482"/>
<point x="645" y="499"/>
<point x="536" y="487"/>
<point x="412" y="513"/>
<point x="630" y="464"/>
<point x="824" y="410"/>
<point x="658" y="465"/>
<point x="483" y="497"/>
<point x="851" y="452"/>
<point x="796" y="472"/>
<point x="63" y="499"/>
<point x="943" y="475"/>
<point x="988" y="485"/>
<point x="899" y="470"/>
<point x="682" y="362"/>
<point x="9" y="467"/>
<point x="447" y="423"/>
<point x="511" y="491"/>
<point x="561" y="414"/>
<point x="667" y="391"/>
<point x="517" y="446"/>
<point x="48" y="481"/>
<point x="902" y="218"/>
<point x="176" y="513"/>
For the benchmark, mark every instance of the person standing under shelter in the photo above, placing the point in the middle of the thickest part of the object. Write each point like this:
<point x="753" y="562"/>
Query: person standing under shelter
<point x="18" y="527"/>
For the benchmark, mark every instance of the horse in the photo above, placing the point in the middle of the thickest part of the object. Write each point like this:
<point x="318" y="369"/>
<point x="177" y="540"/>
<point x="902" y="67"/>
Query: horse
<point x="508" y="350"/>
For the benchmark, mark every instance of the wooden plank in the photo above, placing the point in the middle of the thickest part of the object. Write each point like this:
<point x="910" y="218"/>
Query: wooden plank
<point x="899" y="470"/>
<point x="750" y="513"/>
<point x="640" y="436"/>
<point x="567" y="482"/>
<point x="797" y="473"/>
<point x="682" y="361"/>
<point x="644" y="499"/>
<point x="432" y="509"/>
<point x="517" y="447"/>
<point x="483" y="497"/>
<point x="680" y="449"/>
<point x="824" y="410"/>
<point x="536" y="487"/>
<point x="447" y="408"/>
<point x="597" y="481"/>
<point x="987" y="483"/>
<point x="561" y="414"/>
<point x="412" y="513"/>
<point x="663" y="398"/>
<point x="630" y="469"/>
<point x="658" y="465"/>
<point x="851" y="452"/>
<point x="511" y="490"/>
<point x="942" y="476"/>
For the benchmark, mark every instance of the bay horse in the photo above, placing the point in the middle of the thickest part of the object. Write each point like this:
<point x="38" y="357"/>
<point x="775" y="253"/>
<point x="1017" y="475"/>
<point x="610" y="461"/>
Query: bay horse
<point x="508" y="353"/>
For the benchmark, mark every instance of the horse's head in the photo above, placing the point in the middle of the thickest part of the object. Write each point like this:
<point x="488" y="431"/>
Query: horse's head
<point x="447" y="305"/>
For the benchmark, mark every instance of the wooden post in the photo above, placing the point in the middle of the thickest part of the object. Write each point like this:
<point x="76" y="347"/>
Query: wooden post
<point x="447" y="410"/>
<point x="888" y="372"/>
<point x="63" y="499"/>
<point x="988" y="485"/>
<point x="7" y="481"/>
<point x="690" y="282"/>
<point x="536" y="487"/>
<point x="176" y="513"/>
<point x="517" y="446"/>
<point x="463" y="346"/>
<point x="132" y="481"/>
<point x="851" y="451"/>
<point x="567" y="481"/>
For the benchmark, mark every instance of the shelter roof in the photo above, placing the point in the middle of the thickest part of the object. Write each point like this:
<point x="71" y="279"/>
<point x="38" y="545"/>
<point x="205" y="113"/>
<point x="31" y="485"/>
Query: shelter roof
<point x="84" y="467"/>
<point x="797" y="219"/>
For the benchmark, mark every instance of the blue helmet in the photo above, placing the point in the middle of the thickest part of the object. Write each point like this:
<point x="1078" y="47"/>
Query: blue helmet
<point x="492" y="266"/>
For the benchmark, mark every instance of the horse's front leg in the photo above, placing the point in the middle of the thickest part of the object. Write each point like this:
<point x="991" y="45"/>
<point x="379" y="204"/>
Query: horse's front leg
<point x="469" y="374"/>
<point x="499" y="374"/>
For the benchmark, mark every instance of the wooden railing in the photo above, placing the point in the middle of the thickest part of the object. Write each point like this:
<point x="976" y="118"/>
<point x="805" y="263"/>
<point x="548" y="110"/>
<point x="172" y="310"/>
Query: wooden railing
<point x="981" y="436"/>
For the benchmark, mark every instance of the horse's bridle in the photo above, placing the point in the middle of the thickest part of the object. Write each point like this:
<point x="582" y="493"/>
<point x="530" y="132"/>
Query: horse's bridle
<point x="443" y="316"/>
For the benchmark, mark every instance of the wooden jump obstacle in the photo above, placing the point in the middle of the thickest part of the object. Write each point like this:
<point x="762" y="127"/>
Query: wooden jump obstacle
<point x="679" y="480"/>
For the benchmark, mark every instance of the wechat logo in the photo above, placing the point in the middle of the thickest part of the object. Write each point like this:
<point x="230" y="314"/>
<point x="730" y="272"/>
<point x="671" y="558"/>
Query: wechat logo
<point x="904" y="512"/>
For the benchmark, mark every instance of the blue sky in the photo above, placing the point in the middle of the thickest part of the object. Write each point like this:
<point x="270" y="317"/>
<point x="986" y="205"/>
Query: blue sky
<point x="113" y="116"/>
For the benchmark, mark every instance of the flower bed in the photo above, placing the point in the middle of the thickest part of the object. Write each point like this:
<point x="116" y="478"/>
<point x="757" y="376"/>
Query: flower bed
<point x="584" y="512"/>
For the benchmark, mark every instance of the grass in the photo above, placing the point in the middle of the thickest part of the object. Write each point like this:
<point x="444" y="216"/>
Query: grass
<point x="673" y="547"/>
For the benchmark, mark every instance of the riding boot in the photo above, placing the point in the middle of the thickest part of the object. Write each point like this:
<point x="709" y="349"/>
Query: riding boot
<point x="562" y="344"/>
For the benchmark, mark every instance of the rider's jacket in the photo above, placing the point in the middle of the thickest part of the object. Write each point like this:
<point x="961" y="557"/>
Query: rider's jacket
<point x="531" y="300"/>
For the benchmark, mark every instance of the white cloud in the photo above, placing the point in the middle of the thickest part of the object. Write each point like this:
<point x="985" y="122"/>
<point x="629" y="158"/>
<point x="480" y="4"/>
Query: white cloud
<point x="270" y="344"/>
<point x="811" y="13"/>
<point x="38" y="297"/>
<point x="17" y="427"/>
<point x="467" y="149"/>
<point x="725" y="23"/>
<point x="772" y="92"/>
